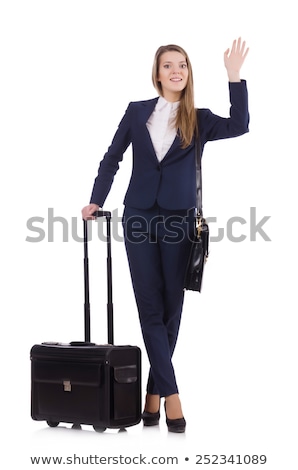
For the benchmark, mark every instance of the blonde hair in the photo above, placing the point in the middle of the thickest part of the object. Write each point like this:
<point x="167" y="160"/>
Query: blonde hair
<point x="186" y="119"/>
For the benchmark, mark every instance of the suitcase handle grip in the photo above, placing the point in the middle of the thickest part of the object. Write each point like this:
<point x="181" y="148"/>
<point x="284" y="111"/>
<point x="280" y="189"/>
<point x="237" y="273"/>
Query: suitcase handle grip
<point x="81" y="343"/>
<point x="106" y="214"/>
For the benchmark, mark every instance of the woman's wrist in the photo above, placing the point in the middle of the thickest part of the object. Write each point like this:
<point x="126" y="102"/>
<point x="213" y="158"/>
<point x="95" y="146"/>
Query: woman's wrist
<point x="234" y="76"/>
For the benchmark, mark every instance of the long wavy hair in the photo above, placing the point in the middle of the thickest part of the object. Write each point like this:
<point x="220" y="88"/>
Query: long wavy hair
<point x="186" y="118"/>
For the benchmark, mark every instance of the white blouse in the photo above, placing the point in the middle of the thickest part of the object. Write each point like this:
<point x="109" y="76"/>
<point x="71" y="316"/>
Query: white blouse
<point x="161" y="126"/>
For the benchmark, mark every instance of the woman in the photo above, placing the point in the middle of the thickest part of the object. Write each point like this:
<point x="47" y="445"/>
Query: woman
<point x="158" y="218"/>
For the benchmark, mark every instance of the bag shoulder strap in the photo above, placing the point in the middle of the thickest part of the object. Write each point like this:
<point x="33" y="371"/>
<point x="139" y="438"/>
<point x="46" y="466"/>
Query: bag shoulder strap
<point x="198" y="152"/>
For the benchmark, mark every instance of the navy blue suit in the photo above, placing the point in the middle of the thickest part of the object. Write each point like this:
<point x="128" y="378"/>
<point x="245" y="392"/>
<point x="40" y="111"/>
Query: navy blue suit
<point x="158" y="220"/>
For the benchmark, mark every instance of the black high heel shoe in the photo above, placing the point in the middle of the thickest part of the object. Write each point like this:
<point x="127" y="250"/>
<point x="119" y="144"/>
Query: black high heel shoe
<point x="150" y="419"/>
<point x="175" y="425"/>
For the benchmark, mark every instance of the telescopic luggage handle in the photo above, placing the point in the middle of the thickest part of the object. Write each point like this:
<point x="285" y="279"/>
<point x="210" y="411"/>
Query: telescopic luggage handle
<point x="110" y="321"/>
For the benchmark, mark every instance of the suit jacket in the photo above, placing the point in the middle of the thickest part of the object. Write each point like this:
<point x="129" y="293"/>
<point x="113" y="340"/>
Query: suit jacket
<point x="170" y="183"/>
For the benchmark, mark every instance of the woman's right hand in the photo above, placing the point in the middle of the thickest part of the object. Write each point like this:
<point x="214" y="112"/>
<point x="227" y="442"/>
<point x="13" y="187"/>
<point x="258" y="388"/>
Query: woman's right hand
<point x="87" y="211"/>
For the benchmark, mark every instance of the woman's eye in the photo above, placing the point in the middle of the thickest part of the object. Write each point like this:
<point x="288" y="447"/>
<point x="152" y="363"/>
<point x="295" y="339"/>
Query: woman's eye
<point x="184" y="66"/>
<point x="167" y="66"/>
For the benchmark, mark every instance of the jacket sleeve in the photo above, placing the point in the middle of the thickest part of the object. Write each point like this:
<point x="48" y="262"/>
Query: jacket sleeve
<point x="109" y="165"/>
<point x="213" y="127"/>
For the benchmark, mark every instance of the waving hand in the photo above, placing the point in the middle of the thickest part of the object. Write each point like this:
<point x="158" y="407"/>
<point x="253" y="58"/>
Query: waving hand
<point x="234" y="58"/>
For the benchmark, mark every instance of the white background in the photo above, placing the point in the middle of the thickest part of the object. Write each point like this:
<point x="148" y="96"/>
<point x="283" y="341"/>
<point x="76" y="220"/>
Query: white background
<point x="68" y="72"/>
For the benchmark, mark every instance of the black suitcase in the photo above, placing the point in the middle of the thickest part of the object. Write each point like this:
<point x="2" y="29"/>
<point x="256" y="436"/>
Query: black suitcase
<point x="86" y="383"/>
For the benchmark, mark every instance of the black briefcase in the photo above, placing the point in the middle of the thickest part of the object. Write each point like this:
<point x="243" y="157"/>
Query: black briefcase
<point x="85" y="383"/>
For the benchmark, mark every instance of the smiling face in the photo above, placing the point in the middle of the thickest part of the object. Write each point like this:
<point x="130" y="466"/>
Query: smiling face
<point x="172" y="74"/>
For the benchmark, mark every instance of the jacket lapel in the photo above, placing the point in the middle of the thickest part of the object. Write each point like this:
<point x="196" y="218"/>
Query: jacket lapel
<point x="147" y="108"/>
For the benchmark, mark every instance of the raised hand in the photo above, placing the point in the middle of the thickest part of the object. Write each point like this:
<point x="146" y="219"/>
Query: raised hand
<point x="234" y="59"/>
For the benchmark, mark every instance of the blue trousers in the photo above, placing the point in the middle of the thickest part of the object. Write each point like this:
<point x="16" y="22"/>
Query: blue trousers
<point x="157" y="243"/>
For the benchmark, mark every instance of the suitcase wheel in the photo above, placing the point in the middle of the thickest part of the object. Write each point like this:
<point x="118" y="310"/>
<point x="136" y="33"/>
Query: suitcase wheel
<point x="76" y="426"/>
<point x="99" y="429"/>
<point x="52" y="424"/>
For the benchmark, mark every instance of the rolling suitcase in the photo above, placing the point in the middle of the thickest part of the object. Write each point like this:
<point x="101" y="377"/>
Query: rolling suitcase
<point x="86" y="383"/>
